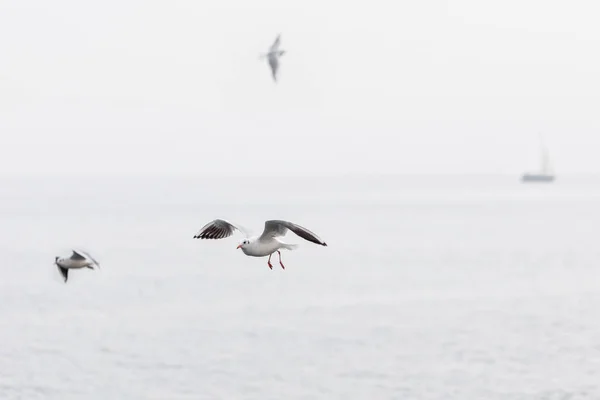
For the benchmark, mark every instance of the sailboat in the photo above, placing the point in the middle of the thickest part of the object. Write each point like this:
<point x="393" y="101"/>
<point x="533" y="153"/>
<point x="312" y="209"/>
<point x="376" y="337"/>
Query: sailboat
<point x="546" y="174"/>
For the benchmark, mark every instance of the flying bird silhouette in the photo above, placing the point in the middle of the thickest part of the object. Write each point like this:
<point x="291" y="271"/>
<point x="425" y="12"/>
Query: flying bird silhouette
<point x="273" y="57"/>
<point x="266" y="244"/>
<point x="79" y="259"/>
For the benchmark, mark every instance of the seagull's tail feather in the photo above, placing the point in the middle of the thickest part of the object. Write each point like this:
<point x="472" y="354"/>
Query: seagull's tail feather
<point x="288" y="246"/>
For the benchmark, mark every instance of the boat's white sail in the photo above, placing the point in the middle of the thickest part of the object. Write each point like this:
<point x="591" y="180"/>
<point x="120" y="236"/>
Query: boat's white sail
<point x="546" y="164"/>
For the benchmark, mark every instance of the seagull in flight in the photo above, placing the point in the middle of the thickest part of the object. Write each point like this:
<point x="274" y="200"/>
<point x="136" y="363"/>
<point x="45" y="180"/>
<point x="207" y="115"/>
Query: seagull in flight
<point x="273" y="56"/>
<point x="79" y="259"/>
<point x="267" y="244"/>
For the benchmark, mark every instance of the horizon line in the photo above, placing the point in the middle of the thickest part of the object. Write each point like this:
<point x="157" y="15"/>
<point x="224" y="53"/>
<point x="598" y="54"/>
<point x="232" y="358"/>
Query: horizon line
<point x="291" y="176"/>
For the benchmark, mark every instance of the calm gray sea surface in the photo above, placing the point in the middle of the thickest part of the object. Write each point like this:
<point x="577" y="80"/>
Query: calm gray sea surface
<point x="442" y="288"/>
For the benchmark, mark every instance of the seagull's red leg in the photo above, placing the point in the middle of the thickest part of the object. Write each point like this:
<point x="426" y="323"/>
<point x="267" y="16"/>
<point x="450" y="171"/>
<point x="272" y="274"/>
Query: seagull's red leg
<point x="280" y="263"/>
<point x="269" y="261"/>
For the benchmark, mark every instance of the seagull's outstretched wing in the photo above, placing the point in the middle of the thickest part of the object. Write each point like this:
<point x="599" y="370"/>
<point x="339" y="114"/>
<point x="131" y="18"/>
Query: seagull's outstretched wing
<point x="275" y="44"/>
<point x="274" y="64"/>
<point x="218" y="229"/>
<point x="64" y="272"/>
<point x="276" y="228"/>
<point x="77" y="256"/>
<point x="86" y="255"/>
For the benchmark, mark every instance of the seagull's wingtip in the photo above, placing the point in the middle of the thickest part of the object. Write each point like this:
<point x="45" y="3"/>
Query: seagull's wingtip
<point x="324" y="244"/>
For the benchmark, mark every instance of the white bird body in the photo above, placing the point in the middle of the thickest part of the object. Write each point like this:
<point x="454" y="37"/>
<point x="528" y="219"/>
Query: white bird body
<point x="259" y="246"/>
<point x="73" y="264"/>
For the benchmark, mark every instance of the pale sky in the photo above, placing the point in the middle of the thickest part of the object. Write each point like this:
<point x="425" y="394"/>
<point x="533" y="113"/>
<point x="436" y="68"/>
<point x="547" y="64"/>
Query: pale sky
<point x="176" y="87"/>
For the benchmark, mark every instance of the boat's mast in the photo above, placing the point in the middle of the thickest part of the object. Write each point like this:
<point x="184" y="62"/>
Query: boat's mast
<point x="545" y="158"/>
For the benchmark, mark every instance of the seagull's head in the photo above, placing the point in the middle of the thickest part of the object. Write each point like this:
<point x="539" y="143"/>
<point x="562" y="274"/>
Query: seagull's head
<point x="56" y="259"/>
<point x="243" y="243"/>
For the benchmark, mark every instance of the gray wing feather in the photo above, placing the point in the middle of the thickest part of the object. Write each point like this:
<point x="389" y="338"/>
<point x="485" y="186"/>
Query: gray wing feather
<point x="64" y="272"/>
<point x="90" y="257"/>
<point x="217" y="229"/>
<point x="276" y="228"/>
<point x="274" y="64"/>
<point x="275" y="44"/>
<point x="77" y="256"/>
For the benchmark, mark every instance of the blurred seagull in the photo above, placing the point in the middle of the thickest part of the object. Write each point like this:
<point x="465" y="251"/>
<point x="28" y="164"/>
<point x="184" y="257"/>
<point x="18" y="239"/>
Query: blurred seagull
<point x="259" y="246"/>
<point x="79" y="259"/>
<point x="273" y="56"/>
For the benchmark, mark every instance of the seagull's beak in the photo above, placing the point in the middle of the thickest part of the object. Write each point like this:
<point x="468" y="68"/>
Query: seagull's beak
<point x="239" y="245"/>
